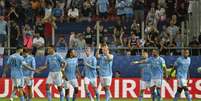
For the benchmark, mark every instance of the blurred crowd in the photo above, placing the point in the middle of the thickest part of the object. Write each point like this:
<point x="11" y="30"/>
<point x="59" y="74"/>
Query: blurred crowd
<point x="31" y="23"/>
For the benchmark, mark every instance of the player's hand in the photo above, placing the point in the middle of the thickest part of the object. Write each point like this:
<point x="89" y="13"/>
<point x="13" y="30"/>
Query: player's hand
<point x="135" y="62"/>
<point x="86" y="64"/>
<point x="107" y="51"/>
<point x="37" y="71"/>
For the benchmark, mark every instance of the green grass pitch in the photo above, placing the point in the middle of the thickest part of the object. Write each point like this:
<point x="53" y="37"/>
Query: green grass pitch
<point x="44" y="99"/>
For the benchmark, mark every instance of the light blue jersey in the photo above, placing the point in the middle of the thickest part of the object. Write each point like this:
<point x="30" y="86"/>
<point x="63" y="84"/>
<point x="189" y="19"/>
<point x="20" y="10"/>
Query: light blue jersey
<point x="15" y="62"/>
<point x="156" y="67"/>
<point x="182" y="66"/>
<point x="30" y="60"/>
<point x="146" y="73"/>
<point x="102" y="5"/>
<point x="105" y="66"/>
<point x="71" y="68"/>
<point x="54" y="62"/>
<point x="90" y="71"/>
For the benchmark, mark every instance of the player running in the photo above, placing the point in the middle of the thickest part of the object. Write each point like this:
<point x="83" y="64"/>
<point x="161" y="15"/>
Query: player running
<point x="70" y="71"/>
<point x="182" y="65"/>
<point x="158" y="68"/>
<point x="90" y="63"/>
<point x="54" y="63"/>
<point x="28" y="75"/>
<point x="145" y="74"/>
<point x="105" y="70"/>
<point x="16" y="63"/>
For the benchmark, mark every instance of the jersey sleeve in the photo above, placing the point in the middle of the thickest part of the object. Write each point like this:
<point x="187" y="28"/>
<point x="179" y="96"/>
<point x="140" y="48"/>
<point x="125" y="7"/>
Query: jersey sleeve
<point x="190" y="60"/>
<point x="33" y="63"/>
<point x="22" y="60"/>
<point x="94" y="62"/>
<point x="176" y="62"/>
<point x="60" y="58"/>
<point x="148" y="60"/>
<point x="163" y="62"/>
<point x="77" y="62"/>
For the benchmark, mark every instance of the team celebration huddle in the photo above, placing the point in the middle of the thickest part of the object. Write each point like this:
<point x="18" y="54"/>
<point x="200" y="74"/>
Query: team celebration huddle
<point x="64" y="72"/>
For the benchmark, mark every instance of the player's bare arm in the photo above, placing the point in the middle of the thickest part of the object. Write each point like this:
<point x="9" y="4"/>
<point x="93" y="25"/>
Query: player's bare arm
<point x="41" y="68"/>
<point x="63" y="71"/>
<point x="25" y="65"/>
<point x="108" y="55"/>
<point x="88" y="65"/>
<point x="139" y="62"/>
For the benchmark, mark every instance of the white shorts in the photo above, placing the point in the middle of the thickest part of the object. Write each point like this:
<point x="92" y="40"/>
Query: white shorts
<point x="28" y="81"/>
<point x="106" y="81"/>
<point x="145" y="84"/>
<point x="18" y="82"/>
<point x="88" y="81"/>
<point x="156" y="82"/>
<point x="54" y="78"/>
<point x="73" y="83"/>
<point x="182" y="82"/>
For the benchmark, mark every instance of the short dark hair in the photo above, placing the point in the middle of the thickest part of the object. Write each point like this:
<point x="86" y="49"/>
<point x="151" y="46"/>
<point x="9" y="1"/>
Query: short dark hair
<point x="68" y="53"/>
<point x="62" y="36"/>
<point x="19" y="47"/>
<point x="103" y="44"/>
<point x="52" y="46"/>
<point x="185" y="49"/>
<point x="27" y="50"/>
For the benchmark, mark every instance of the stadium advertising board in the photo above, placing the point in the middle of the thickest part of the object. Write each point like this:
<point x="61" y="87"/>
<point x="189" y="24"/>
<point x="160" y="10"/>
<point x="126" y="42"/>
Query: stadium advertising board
<point x="121" y="88"/>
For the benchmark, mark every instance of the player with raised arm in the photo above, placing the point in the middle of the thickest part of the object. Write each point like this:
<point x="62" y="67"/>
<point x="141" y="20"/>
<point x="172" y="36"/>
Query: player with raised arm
<point x="145" y="74"/>
<point x="182" y="65"/>
<point x="105" y="70"/>
<point x="28" y="74"/>
<point x="90" y="73"/>
<point x="158" y="71"/>
<point x="69" y="72"/>
<point x="16" y="63"/>
<point x="54" y="62"/>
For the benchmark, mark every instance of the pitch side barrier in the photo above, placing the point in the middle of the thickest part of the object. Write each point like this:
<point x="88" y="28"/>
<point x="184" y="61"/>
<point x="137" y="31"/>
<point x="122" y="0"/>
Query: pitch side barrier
<point x="120" y="88"/>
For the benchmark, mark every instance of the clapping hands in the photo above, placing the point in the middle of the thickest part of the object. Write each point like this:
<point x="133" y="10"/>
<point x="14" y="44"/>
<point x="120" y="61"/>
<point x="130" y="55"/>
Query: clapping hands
<point x="37" y="70"/>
